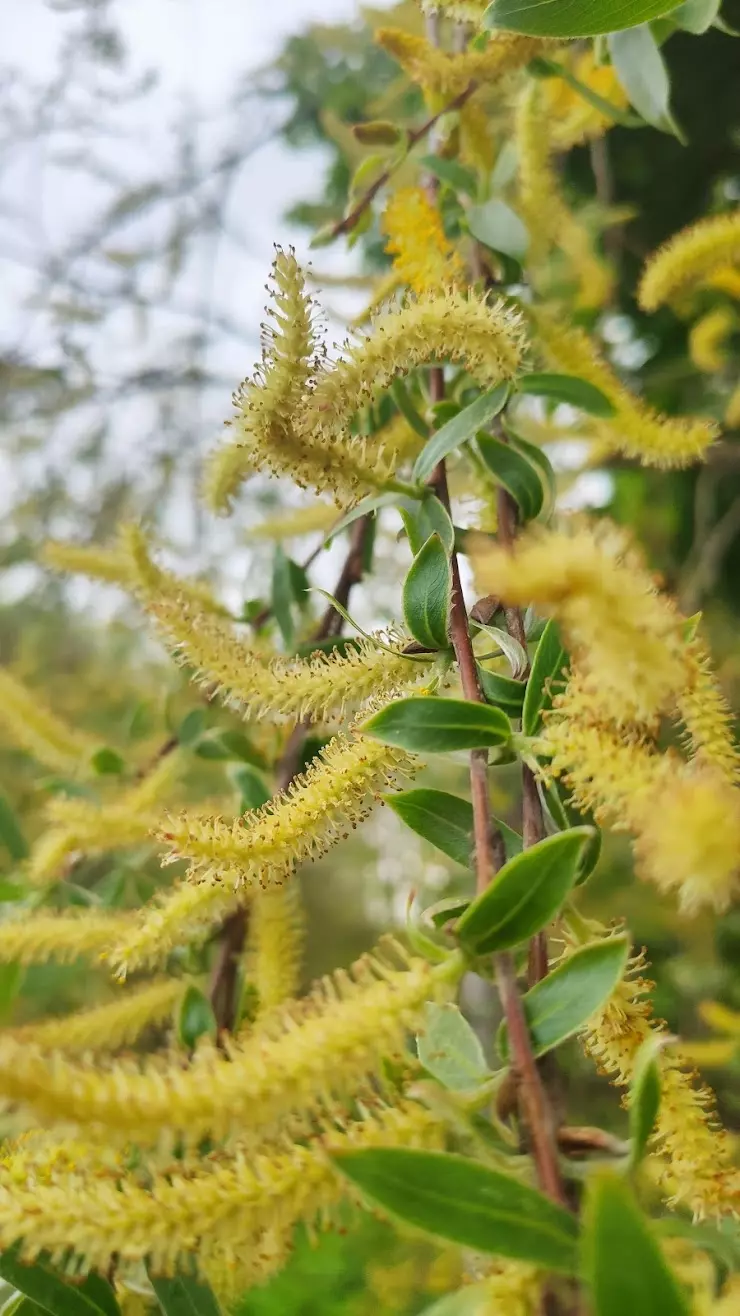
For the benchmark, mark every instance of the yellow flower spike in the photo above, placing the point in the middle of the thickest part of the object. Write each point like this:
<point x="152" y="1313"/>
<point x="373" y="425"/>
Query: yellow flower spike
<point x="708" y="337"/>
<point x="732" y="411"/>
<point x="574" y="120"/>
<point x="275" y="948"/>
<point x="40" y="732"/>
<point x="636" y="429"/>
<point x="320" y="688"/>
<point x="423" y="256"/>
<point x="464" y="11"/>
<point x="98" y="562"/>
<point x="36" y="938"/>
<point x="149" y="580"/>
<point x="107" y="1027"/>
<point x="624" y="635"/>
<point x="688" y="839"/>
<point x="720" y="1017"/>
<point x="726" y="279"/>
<point x="293" y="524"/>
<point x="447" y="75"/>
<point x="224" y="1210"/>
<point x="228" y="859"/>
<point x="693" y="1153"/>
<point x="706" y="715"/>
<point x="512" y="1287"/>
<point x="307" y="1057"/>
<point x="690" y="257"/>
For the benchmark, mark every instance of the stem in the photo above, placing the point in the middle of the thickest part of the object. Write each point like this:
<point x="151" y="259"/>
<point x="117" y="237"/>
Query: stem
<point x="233" y="934"/>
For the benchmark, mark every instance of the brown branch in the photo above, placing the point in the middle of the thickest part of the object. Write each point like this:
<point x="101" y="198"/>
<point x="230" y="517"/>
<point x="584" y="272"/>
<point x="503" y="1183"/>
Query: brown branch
<point x="233" y="934"/>
<point x="348" y="223"/>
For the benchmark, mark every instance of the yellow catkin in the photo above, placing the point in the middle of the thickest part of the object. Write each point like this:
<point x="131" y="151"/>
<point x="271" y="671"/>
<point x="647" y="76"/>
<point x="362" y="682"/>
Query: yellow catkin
<point x="227" y="859"/>
<point x="78" y="825"/>
<point x="726" y="279"/>
<point x="423" y="257"/>
<point x="732" y="411"/>
<point x="276" y="939"/>
<point x="694" y="1154"/>
<point x="690" y="257"/>
<point x="624" y="635"/>
<point x="706" y="715"/>
<point x="222" y="1211"/>
<point x="446" y="75"/>
<point x="148" y="579"/>
<point x="512" y="1287"/>
<point x="688" y="838"/>
<point x="708" y="339"/>
<point x="319" y="688"/>
<point x="107" y="1027"/>
<point x="36" y="938"/>
<point x="728" y="1303"/>
<point x="549" y="220"/>
<point x="573" y="119"/>
<point x="295" y="523"/>
<point x="94" y="560"/>
<point x="34" y="727"/>
<point x="636" y="429"/>
<point x="306" y="1057"/>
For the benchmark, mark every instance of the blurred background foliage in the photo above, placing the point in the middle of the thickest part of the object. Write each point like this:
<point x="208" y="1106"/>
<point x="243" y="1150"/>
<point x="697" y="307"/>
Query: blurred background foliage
<point x="90" y="435"/>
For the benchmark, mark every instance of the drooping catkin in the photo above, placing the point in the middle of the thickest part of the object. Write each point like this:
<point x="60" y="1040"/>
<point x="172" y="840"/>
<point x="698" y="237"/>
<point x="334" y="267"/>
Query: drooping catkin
<point x="444" y="74"/>
<point x="228" y="859"/>
<point x="61" y="936"/>
<point x="309" y="1056"/>
<point x="41" y="732"/>
<point x="107" y="1027"/>
<point x="690" y="257"/>
<point x="423" y="257"/>
<point x="275" y="946"/>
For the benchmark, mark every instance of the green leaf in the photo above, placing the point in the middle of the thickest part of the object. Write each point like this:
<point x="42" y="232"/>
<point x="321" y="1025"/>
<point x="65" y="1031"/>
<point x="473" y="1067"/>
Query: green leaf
<point x="622" y="1258"/>
<point x="376" y="132"/>
<point x="253" y="791"/>
<point x="545" y="678"/>
<point x="195" y="1018"/>
<point x="47" y="1289"/>
<point x="502" y="691"/>
<point x="11" y="980"/>
<point x="497" y="226"/>
<point x="538" y="459"/>
<point x="184" y="1296"/>
<point x="426" y="518"/>
<point x="467" y="1301"/>
<point x="402" y="399"/>
<point x="372" y="503"/>
<point x="427" y="591"/>
<point x="450" y="172"/>
<point x="192" y="726"/>
<point x="696" y="15"/>
<point x="642" y="72"/>
<point x="567" y="388"/>
<point x="572" y="18"/>
<point x="11" y="834"/>
<point x="644" y="1103"/>
<point x="461" y="428"/>
<point x="426" y="725"/>
<point x="525" y="895"/>
<point x="446" y="821"/>
<point x="461" y="1200"/>
<point x="281" y="597"/>
<point x="10" y="891"/>
<point x="565" y="815"/>
<point x="99" y="1291"/>
<point x="107" y="762"/>
<point x="222" y="744"/>
<point x="548" y="68"/>
<point x="559" y="1006"/>
<point x="510" y="648"/>
<point x="449" y="1049"/>
<point x="514" y="472"/>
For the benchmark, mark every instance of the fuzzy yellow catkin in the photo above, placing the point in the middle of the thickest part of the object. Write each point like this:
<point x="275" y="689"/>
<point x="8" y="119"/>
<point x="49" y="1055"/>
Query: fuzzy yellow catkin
<point x="222" y="1211"/>
<point x="107" y="1027"/>
<point x="442" y="74"/>
<point x="513" y="1287"/>
<point x="78" y="825"/>
<point x="97" y="561"/>
<point x="295" y="522"/>
<point x="34" y="727"/>
<point x="636" y="429"/>
<point x="227" y="859"/>
<point x="308" y="1056"/>
<point x="624" y="635"/>
<point x="423" y="256"/>
<point x="148" y="579"/>
<point x="573" y="119"/>
<point x="319" y="688"/>
<point x="708" y="339"/>
<point x="275" y="945"/>
<point x="549" y="220"/>
<point x="61" y="936"/>
<point x="732" y="410"/>
<point x="693" y="1153"/>
<point x="690" y="257"/>
<point x="706" y="716"/>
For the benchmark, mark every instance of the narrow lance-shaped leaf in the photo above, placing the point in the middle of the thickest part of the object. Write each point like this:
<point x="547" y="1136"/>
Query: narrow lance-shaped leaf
<point x="559" y="1006"/>
<point x="515" y="473"/>
<point x="424" y="518"/>
<point x="573" y="18"/>
<point x="282" y="596"/>
<point x="644" y="1097"/>
<point x="446" y="821"/>
<point x="427" y="590"/>
<point x="195" y="1018"/>
<point x="525" y="895"/>
<point x="503" y="691"/>
<point x="461" y="428"/>
<point x="461" y="1200"/>
<point x="565" y="815"/>
<point x="184" y="1296"/>
<point x="11" y="834"/>
<point x="622" y="1259"/>
<point x="545" y="678"/>
<point x="47" y="1289"/>
<point x="497" y="226"/>
<point x="449" y="1049"/>
<point x="568" y="388"/>
<point x="426" y="725"/>
<point x="642" y="71"/>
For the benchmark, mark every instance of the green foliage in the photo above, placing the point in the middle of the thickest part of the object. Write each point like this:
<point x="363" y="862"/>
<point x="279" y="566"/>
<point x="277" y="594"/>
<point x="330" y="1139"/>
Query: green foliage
<point x="622" y="1258"/>
<point x="427" y="591"/>
<point x="437" y="726"/>
<point x="574" y="18"/>
<point x="462" y="427"/>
